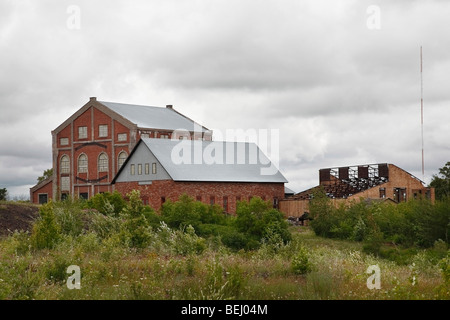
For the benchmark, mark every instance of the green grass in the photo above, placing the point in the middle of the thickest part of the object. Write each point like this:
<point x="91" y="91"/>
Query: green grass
<point x="110" y="270"/>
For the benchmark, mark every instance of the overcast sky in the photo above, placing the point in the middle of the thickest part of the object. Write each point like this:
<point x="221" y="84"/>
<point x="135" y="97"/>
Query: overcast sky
<point x="340" y="80"/>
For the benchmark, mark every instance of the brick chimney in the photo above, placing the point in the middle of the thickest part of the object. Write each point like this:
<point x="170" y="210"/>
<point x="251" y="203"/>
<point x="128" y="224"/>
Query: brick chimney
<point x="93" y="98"/>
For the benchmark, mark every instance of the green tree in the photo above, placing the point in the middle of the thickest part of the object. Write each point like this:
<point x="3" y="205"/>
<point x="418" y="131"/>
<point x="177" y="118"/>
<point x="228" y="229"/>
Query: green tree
<point x="3" y="194"/>
<point x="441" y="182"/>
<point x="47" y="174"/>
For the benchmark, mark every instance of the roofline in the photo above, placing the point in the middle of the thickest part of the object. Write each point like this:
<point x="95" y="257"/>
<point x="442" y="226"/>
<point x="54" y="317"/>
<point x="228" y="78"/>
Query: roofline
<point x="96" y="104"/>
<point x="41" y="184"/>
<point x="113" y="181"/>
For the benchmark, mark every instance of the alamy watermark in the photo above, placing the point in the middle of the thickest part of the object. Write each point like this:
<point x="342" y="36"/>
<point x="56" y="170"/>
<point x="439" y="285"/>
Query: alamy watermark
<point x="235" y="146"/>
<point x="73" y="21"/>
<point x="373" y="21"/>
<point x="74" y="280"/>
<point x="374" y="281"/>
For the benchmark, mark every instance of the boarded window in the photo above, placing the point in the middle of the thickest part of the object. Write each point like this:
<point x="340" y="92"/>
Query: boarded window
<point x="103" y="162"/>
<point x="65" y="164"/>
<point x="147" y="168"/>
<point x="82" y="163"/>
<point x="121" y="159"/>
<point x="103" y="130"/>
<point x="64" y="141"/>
<point x="82" y="133"/>
<point x="140" y="168"/>
<point x="65" y="183"/>
<point x="154" y="168"/>
<point x="122" y="137"/>
<point x="132" y="170"/>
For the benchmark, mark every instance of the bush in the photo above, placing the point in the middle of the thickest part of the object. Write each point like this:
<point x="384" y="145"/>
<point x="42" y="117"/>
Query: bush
<point x="300" y="263"/>
<point x="107" y="203"/>
<point x="256" y="219"/>
<point x="46" y="232"/>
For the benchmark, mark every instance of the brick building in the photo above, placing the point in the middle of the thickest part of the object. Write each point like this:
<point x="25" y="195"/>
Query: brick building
<point x="379" y="182"/>
<point x="90" y="146"/>
<point x="213" y="172"/>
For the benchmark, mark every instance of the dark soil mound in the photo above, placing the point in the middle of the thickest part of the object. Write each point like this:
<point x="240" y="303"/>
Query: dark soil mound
<point x="17" y="217"/>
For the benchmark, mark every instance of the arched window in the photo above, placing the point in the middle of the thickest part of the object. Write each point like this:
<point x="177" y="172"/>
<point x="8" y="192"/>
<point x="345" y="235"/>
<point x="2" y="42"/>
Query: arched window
<point x="122" y="157"/>
<point x="65" y="164"/>
<point x="102" y="162"/>
<point x="82" y="163"/>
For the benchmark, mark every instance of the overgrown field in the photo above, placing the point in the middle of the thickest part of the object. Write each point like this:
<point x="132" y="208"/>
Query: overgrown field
<point x="126" y="251"/>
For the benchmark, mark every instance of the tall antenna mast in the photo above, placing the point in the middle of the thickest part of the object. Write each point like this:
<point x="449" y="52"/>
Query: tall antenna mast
<point x="421" y="111"/>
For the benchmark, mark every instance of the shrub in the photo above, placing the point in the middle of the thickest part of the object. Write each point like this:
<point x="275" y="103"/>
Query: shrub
<point x="46" y="232"/>
<point x="300" y="263"/>
<point x="107" y="203"/>
<point x="256" y="219"/>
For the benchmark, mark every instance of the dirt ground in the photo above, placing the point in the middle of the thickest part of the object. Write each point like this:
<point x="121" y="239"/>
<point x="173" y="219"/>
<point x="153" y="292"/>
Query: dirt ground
<point x="16" y="217"/>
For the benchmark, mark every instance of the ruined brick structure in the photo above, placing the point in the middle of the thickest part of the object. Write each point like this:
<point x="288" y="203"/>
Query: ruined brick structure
<point x="377" y="182"/>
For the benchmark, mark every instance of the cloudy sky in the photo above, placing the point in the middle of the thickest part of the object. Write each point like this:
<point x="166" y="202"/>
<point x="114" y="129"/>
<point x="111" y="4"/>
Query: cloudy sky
<point x="340" y="80"/>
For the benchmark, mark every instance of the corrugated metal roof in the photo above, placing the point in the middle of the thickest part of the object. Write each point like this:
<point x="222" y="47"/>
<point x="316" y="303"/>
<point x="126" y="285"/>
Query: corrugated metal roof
<point x="218" y="161"/>
<point x="153" y="117"/>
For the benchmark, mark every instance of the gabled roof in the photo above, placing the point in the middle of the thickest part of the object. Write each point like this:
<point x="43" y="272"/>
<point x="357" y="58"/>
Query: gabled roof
<point x="41" y="184"/>
<point x="192" y="160"/>
<point x="153" y="117"/>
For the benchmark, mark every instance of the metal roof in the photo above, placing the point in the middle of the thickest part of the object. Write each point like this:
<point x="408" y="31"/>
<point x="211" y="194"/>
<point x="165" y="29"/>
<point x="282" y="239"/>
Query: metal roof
<point x="218" y="161"/>
<point x="153" y="117"/>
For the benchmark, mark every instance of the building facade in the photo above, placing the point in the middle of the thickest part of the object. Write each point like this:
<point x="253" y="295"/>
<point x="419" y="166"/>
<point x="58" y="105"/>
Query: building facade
<point x="89" y="148"/>
<point x="213" y="172"/>
<point x="382" y="182"/>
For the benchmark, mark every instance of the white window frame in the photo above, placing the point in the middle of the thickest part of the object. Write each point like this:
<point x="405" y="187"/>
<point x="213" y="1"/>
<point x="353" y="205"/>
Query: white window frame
<point x="122" y="137"/>
<point x="65" y="165"/>
<point x="103" y="131"/>
<point x="82" y="132"/>
<point x="103" y="165"/>
<point x="64" y="141"/>
<point x="82" y="167"/>
<point x="65" y="183"/>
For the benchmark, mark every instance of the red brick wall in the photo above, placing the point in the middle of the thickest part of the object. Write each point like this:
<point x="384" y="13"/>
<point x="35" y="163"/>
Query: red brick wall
<point x="47" y="188"/>
<point x="152" y="194"/>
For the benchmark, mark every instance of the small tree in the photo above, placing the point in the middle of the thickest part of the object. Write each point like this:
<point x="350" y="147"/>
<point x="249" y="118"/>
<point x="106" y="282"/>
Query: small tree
<point x="47" y="174"/>
<point x="3" y="194"/>
<point x="441" y="182"/>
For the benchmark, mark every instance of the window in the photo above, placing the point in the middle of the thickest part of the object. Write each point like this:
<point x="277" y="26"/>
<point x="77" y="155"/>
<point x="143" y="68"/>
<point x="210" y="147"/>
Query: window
<point x="65" y="183"/>
<point x="147" y="168"/>
<point x="122" y="158"/>
<point x="275" y="202"/>
<point x="122" y="137"/>
<point x="163" y="199"/>
<point x="145" y="135"/>
<point x="199" y="198"/>
<point x="211" y="200"/>
<point x="164" y="136"/>
<point x="238" y="198"/>
<point x="65" y="164"/>
<point x="132" y="170"/>
<point x="140" y="168"/>
<point x="84" y="195"/>
<point x="154" y="168"/>
<point x="103" y="130"/>
<point x="82" y="163"/>
<point x="103" y="162"/>
<point x="382" y="193"/>
<point x="225" y="204"/>
<point x="43" y="198"/>
<point x="82" y="132"/>
<point x="64" y="196"/>
<point x="64" y="141"/>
